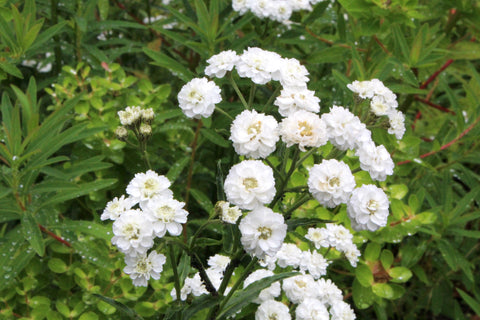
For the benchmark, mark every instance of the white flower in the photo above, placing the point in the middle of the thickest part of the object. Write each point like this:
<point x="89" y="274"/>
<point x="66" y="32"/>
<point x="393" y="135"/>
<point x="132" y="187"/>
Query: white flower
<point x="148" y="114"/>
<point x="268" y="293"/>
<point x="311" y="309"/>
<point x="300" y="5"/>
<point x="198" y="97"/>
<point x="240" y="6"/>
<point x="258" y="65"/>
<point x="218" y="262"/>
<point x="166" y="214"/>
<point x="272" y="309"/>
<point x="397" y="123"/>
<point x="345" y="130"/>
<point x="130" y="115"/>
<point x="116" y="207"/>
<point x="292" y="73"/>
<point x="193" y="285"/>
<point x="281" y="11"/>
<point x="368" y="208"/>
<point x="331" y="182"/>
<point x="328" y="292"/>
<point x="380" y="106"/>
<point x="219" y="64"/>
<point x="262" y="232"/>
<point x="228" y="214"/>
<point x="314" y="263"/>
<point x="352" y="254"/>
<point x="254" y="134"/>
<point x="292" y="99"/>
<point x="338" y="236"/>
<point x="289" y="255"/>
<point x="365" y="89"/>
<point x="133" y="233"/>
<point x="375" y="160"/>
<point x="250" y="184"/>
<point x="342" y="311"/>
<point x="145" y="186"/>
<point x="299" y="288"/>
<point x="305" y="129"/>
<point x="319" y="237"/>
<point x="143" y="267"/>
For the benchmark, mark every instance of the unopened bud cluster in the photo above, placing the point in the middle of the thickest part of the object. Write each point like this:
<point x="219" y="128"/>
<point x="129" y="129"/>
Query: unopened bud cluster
<point x="136" y="119"/>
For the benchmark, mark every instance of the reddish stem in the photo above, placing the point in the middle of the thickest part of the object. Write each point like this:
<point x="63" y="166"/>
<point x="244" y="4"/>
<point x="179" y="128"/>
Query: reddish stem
<point x="435" y="75"/>
<point x="329" y="42"/>
<point x="54" y="236"/>
<point x="381" y="45"/>
<point x="445" y="146"/>
<point x="436" y="106"/>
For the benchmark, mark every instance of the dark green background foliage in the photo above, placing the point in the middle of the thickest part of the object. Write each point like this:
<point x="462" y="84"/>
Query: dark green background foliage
<point x="61" y="163"/>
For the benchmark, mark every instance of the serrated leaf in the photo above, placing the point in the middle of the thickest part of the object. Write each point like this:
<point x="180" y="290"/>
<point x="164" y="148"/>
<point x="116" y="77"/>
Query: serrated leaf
<point x="32" y="232"/>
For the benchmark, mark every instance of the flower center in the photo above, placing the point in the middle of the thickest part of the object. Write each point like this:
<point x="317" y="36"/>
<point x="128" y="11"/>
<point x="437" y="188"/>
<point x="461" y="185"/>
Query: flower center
<point x="334" y="182"/>
<point x="143" y="266"/>
<point x="254" y="128"/>
<point x="250" y="183"/>
<point x="305" y="129"/>
<point x="372" y="206"/>
<point x="165" y="214"/>
<point x="300" y="283"/>
<point x="265" y="233"/>
<point x="131" y="232"/>
<point x="273" y="316"/>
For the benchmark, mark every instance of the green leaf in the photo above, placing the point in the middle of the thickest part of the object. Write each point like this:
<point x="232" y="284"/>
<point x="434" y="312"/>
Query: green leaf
<point x="466" y="233"/>
<point x="47" y="35"/>
<point x="364" y="275"/>
<point x="123" y="309"/>
<point x="202" y="200"/>
<point x="32" y="232"/>
<point x="243" y="297"/>
<point x="162" y="60"/>
<point x="11" y="69"/>
<point x="465" y="50"/>
<point x="383" y="290"/>
<point x="372" y="251"/>
<point x="57" y="265"/>
<point x="448" y="253"/>
<point x="400" y="274"/>
<point x="214" y="137"/>
<point x="386" y="258"/>
<point x="292" y="224"/>
<point x="99" y="231"/>
<point x="82" y="189"/>
<point x="474" y="304"/>
<point x="200" y="303"/>
<point x="329" y="55"/>
<point x="363" y="297"/>
<point x="177" y="168"/>
<point x="400" y="42"/>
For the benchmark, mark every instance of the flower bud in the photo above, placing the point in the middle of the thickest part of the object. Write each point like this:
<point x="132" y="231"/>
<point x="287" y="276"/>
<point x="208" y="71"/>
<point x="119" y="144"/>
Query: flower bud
<point x="148" y="115"/>
<point x="145" y="130"/>
<point x="121" y="133"/>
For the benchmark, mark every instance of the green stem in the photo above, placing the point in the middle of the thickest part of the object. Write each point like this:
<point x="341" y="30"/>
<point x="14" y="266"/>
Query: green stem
<point x="223" y="112"/>
<point x="239" y="282"/>
<point x="252" y="95"/>
<point x="239" y="93"/>
<point x="305" y="156"/>
<point x="266" y="106"/>
<point x="175" y="272"/>
<point x="307" y="197"/>
<point x="277" y="172"/>
<point x="280" y="192"/>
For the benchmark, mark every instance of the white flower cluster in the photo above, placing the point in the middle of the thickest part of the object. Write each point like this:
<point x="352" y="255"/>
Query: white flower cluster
<point x="335" y="236"/>
<point x="135" y="229"/>
<point x="198" y="98"/>
<point x="277" y="10"/>
<point x="368" y="208"/>
<point x="315" y="299"/>
<point x="195" y="286"/>
<point x="383" y="102"/>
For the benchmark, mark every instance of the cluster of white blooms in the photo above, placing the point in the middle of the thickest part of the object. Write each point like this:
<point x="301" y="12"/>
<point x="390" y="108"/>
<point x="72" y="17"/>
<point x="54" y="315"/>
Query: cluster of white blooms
<point x="268" y="293"/>
<point x="277" y="10"/>
<point x="376" y="160"/>
<point x="130" y="115"/>
<point x="198" y="98"/>
<point x="368" y="208"/>
<point x="383" y="102"/>
<point x="305" y="129"/>
<point x="136" y="119"/>
<point x="335" y="236"/>
<point x="135" y="229"/>
<point x="195" y="286"/>
<point x="292" y="99"/>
